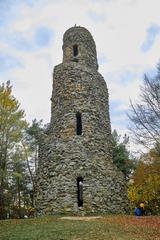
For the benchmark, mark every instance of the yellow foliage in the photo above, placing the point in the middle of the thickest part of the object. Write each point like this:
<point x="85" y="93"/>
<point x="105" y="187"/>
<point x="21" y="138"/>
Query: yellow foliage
<point x="145" y="184"/>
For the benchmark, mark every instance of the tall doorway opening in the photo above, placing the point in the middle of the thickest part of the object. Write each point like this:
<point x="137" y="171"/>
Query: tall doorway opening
<point x="80" y="191"/>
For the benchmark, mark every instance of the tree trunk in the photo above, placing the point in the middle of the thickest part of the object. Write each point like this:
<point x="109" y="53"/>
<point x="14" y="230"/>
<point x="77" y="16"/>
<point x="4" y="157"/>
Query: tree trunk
<point x="2" y="201"/>
<point x="19" y="198"/>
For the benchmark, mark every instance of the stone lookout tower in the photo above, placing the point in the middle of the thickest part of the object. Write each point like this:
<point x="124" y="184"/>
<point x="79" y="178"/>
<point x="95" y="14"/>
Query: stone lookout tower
<point x="76" y="172"/>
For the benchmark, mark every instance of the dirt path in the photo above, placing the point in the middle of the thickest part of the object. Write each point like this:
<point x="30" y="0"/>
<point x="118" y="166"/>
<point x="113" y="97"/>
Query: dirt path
<point x="81" y="218"/>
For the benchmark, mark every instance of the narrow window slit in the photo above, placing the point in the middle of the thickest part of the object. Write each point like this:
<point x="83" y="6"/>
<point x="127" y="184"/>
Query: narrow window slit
<point x="79" y="123"/>
<point x="75" y="50"/>
<point x="80" y="191"/>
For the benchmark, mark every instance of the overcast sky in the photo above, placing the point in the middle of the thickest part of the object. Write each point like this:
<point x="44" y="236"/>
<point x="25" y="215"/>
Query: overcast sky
<point x="127" y="36"/>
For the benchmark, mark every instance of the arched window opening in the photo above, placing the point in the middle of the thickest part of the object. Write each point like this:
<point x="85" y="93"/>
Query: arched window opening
<point x="75" y="50"/>
<point x="80" y="191"/>
<point x="79" y="123"/>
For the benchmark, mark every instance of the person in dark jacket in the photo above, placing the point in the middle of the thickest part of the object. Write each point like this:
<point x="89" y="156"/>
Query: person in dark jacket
<point x="141" y="205"/>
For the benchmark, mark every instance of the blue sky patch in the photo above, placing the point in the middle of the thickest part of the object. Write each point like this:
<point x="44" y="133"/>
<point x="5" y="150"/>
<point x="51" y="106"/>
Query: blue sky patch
<point x="43" y="36"/>
<point x="96" y="17"/>
<point x="18" y="41"/>
<point x="8" y="62"/>
<point x="114" y="103"/>
<point x="8" y="10"/>
<point x="125" y="77"/>
<point x="102" y="59"/>
<point x="152" y="33"/>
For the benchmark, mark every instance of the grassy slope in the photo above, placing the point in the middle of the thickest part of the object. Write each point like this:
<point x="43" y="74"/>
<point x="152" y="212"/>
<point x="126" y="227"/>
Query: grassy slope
<point x="54" y="228"/>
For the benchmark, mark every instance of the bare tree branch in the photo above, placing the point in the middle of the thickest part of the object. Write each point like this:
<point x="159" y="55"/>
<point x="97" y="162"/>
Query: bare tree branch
<point x="145" y="117"/>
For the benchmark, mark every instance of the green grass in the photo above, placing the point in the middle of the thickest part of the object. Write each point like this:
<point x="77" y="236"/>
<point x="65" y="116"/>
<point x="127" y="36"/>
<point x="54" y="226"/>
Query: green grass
<point x="108" y="227"/>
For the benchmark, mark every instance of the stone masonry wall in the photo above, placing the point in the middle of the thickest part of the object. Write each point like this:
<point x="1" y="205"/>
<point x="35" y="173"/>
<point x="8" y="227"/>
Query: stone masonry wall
<point x="63" y="155"/>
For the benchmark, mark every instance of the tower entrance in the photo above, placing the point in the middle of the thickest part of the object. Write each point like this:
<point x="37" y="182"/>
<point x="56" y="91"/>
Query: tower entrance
<point x="80" y="191"/>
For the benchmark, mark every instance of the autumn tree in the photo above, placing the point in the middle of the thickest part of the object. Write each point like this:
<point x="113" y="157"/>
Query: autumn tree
<point x="12" y="124"/>
<point x="145" y="115"/>
<point x="145" y="182"/>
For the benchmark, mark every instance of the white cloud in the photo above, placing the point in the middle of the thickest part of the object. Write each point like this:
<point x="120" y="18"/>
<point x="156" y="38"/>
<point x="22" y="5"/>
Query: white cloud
<point x="34" y="83"/>
<point x="119" y="34"/>
<point x="119" y="91"/>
